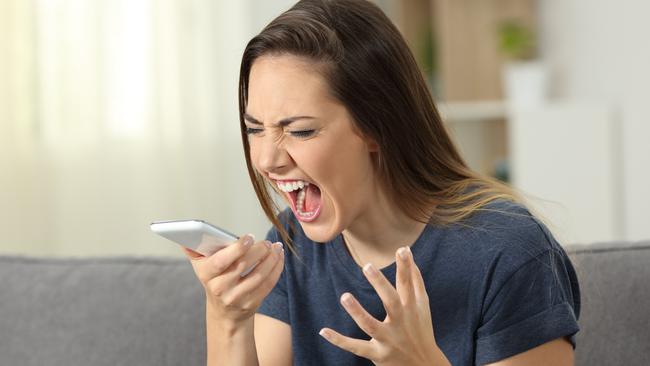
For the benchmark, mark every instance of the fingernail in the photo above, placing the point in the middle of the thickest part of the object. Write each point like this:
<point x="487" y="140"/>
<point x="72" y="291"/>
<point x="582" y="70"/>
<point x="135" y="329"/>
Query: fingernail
<point x="323" y="333"/>
<point x="267" y="243"/>
<point x="346" y="299"/>
<point x="370" y="269"/>
<point x="278" y="247"/>
<point x="249" y="239"/>
<point x="402" y="253"/>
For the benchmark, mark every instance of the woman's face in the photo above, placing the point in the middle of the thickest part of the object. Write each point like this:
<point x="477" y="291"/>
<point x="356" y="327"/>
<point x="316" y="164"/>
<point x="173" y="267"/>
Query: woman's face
<point x="298" y="133"/>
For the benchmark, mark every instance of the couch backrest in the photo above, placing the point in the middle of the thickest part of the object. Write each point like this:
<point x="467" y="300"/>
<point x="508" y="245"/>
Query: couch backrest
<point x="108" y="311"/>
<point x="150" y="311"/>
<point x="615" y="303"/>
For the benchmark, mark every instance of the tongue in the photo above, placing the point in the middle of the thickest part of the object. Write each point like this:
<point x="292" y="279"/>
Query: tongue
<point x="312" y="198"/>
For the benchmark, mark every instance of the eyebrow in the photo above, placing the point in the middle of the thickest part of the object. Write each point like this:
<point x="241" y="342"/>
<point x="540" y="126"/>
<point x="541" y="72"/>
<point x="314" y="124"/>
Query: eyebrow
<point x="281" y="123"/>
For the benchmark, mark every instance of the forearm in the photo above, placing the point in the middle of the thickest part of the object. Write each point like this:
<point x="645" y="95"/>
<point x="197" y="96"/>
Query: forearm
<point x="440" y="358"/>
<point x="228" y="344"/>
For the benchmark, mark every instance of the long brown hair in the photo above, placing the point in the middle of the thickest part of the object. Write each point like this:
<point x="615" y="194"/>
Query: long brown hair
<point x="371" y="71"/>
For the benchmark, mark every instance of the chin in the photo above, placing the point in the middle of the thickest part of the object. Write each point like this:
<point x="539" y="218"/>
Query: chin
<point x="318" y="235"/>
<point x="322" y="230"/>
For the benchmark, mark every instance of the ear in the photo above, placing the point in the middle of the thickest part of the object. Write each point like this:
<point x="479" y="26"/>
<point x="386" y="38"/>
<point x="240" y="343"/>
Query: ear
<point x="371" y="145"/>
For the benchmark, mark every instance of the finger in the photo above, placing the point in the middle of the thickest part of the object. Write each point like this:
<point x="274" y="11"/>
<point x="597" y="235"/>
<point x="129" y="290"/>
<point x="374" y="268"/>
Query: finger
<point x="365" y="321"/>
<point x="274" y="276"/>
<point x="229" y="278"/>
<point x="420" y="290"/>
<point x="247" y="286"/>
<point x="385" y="290"/>
<point x="270" y="281"/>
<point x="218" y="262"/>
<point x="191" y="254"/>
<point x="403" y="281"/>
<point x="358" y="347"/>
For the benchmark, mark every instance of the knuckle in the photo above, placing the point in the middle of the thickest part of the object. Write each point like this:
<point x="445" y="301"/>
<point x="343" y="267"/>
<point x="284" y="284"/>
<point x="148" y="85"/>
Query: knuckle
<point x="241" y="250"/>
<point x="266" y="245"/>
<point x="371" y="325"/>
<point x="219" y="267"/>
<point x="249" y="305"/>
<point x="218" y="263"/>
<point x="203" y="276"/>
<point x="229" y="301"/>
<point x="395" y="305"/>
<point x="241" y="266"/>
<point x="381" y="357"/>
<point x="215" y="289"/>
<point x="406" y="302"/>
<point x="256" y="278"/>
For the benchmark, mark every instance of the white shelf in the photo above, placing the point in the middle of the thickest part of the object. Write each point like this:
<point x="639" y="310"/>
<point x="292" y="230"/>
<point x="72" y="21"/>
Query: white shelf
<point x="478" y="111"/>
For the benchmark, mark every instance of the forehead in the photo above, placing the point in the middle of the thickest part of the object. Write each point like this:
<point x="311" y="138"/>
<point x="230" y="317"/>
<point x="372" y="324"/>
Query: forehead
<point x="285" y="84"/>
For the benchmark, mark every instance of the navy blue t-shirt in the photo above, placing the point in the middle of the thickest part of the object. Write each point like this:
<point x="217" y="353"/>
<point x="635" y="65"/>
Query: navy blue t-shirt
<point x="498" y="285"/>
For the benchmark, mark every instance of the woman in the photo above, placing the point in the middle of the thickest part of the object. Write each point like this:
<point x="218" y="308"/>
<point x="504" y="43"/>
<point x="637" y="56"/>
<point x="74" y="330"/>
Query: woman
<point x="398" y="253"/>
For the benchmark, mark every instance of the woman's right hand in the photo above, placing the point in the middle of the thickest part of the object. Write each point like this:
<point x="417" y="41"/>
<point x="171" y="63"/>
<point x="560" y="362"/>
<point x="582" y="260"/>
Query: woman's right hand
<point x="231" y="298"/>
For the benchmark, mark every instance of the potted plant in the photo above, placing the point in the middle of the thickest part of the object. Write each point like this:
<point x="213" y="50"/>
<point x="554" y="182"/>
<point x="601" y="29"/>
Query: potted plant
<point x="525" y="77"/>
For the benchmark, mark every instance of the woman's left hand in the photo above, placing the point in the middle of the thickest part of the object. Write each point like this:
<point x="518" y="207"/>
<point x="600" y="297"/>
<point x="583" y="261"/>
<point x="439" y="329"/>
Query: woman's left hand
<point x="406" y="336"/>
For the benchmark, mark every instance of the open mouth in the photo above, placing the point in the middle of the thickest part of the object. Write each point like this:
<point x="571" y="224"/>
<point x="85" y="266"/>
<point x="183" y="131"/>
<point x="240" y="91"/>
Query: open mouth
<point x="305" y="201"/>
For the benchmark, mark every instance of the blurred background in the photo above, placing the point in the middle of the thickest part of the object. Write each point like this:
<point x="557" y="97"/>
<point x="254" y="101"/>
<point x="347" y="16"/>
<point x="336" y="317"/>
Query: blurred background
<point x="114" y="114"/>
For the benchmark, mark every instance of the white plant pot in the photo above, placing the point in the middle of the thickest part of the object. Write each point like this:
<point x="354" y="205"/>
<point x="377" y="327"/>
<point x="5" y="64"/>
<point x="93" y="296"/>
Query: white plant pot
<point x="525" y="83"/>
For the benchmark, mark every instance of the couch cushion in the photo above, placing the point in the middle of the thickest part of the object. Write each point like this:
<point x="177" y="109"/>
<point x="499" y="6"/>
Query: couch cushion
<point x="108" y="311"/>
<point x="150" y="311"/>
<point x="615" y="303"/>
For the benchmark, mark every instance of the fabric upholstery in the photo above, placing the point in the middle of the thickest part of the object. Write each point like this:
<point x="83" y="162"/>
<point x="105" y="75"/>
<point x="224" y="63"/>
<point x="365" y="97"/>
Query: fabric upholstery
<point x="151" y="311"/>
<point x="107" y="311"/>
<point x="615" y="295"/>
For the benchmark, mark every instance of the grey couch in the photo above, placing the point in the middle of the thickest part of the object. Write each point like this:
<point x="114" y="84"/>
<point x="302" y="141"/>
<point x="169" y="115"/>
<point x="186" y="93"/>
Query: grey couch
<point x="150" y="311"/>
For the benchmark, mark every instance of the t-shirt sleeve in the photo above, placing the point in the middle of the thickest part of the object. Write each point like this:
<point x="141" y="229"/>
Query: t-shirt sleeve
<point x="537" y="303"/>
<point x="276" y="304"/>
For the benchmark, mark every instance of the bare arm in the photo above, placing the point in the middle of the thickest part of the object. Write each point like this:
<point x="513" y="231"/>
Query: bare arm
<point x="230" y="345"/>
<point x="273" y="341"/>
<point x="556" y="352"/>
<point x="261" y="341"/>
<point x="231" y="300"/>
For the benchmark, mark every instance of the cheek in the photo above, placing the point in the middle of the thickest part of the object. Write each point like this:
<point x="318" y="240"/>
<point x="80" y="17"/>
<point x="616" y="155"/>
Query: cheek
<point x="336" y="167"/>
<point x="309" y="159"/>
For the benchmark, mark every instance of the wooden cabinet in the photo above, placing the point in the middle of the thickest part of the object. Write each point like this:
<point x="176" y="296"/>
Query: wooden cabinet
<point x="456" y="45"/>
<point x="563" y="155"/>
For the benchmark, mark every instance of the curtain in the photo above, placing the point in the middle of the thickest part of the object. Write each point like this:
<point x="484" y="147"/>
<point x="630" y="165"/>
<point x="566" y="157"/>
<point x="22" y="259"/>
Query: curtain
<point x="116" y="113"/>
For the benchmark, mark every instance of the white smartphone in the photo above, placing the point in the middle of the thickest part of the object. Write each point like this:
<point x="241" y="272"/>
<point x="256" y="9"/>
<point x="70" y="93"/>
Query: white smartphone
<point x="198" y="235"/>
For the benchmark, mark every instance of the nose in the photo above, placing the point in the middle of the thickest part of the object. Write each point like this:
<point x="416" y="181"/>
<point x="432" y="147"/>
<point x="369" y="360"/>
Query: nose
<point x="272" y="157"/>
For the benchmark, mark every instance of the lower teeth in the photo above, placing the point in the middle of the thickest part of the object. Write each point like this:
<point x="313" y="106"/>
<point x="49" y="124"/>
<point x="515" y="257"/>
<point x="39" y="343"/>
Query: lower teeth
<point x="300" y="201"/>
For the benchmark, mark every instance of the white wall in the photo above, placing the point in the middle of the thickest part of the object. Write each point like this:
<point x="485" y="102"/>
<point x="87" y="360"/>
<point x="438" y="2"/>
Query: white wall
<point x="599" y="51"/>
<point x="105" y="128"/>
<point x="573" y="181"/>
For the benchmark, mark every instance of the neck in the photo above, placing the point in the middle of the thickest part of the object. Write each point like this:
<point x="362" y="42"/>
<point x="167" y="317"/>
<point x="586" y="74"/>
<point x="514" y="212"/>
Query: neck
<point x="376" y="235"/>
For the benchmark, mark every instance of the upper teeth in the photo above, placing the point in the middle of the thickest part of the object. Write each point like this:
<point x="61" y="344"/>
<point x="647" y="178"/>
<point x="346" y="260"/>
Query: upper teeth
<point x="292" y="186"/>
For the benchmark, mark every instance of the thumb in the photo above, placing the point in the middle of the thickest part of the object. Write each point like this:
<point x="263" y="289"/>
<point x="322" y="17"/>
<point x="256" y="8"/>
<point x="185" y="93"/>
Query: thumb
<point x="191" y="254"/>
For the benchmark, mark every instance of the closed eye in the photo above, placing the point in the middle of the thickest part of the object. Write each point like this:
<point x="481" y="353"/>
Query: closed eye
<point x="253" y="131"/>
<point x="304" y="133"/>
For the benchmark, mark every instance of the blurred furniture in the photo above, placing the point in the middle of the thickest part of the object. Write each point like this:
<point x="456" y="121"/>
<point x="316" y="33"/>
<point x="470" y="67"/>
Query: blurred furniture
<point x="577" y="154"/>
<point x="150" y="311"/>
<point x="569" y="155"/>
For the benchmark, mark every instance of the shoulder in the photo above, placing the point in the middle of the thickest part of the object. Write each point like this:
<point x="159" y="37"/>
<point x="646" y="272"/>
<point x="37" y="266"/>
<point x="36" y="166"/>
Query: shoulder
<point x="526" y="285"/>
<point x="501" y="234"/>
